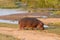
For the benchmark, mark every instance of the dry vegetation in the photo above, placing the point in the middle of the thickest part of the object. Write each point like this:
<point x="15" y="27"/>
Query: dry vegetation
<point x="8" y="25"/>
<point x="7" y="37"/>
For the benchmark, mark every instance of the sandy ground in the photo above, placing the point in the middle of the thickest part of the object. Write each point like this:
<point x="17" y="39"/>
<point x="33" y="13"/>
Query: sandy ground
<point x="49" y="20"/>
<point x="29" y="34"/>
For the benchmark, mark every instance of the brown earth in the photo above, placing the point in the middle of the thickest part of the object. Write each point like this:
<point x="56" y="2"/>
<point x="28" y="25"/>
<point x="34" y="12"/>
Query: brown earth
<point x="29" y="34"/>
<point x="50" y="20"/>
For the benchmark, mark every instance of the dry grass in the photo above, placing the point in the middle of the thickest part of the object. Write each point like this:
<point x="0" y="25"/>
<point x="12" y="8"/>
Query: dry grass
<point x="8" y="25"/>
<point x="7" y="37"/>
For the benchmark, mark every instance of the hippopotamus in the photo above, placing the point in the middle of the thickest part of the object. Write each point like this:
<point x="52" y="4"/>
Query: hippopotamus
<point x="30" y="23"/>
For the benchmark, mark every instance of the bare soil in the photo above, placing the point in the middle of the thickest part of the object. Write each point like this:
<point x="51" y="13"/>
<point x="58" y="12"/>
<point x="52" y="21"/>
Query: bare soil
<point x="29" y="34"/>
<point x="49" y="20"/>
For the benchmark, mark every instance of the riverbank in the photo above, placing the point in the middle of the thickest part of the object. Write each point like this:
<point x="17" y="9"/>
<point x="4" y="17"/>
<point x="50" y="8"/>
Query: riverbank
<point x="9" y="21"/>
<point x="50" y="28"/>
<point x="29" y="34"/>
<point x="11" y="11"/>
<point x="50" y="20"/>
<point x="9" y="25"/>
<point x="44" y="20"/>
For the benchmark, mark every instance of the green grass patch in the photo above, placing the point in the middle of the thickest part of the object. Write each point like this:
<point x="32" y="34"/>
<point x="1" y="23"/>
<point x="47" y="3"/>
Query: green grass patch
<point x="54" y="27"/>
<point x="56" y="12"/>
<point x="7" y="37"/>
<point x="54" y="24"/>
<point x="54" y="30"/>
<point x="9" y="25"/>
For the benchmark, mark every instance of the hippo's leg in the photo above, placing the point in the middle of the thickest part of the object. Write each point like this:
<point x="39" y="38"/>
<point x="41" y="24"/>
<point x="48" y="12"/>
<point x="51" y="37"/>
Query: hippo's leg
<point x="22" y="27"/>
